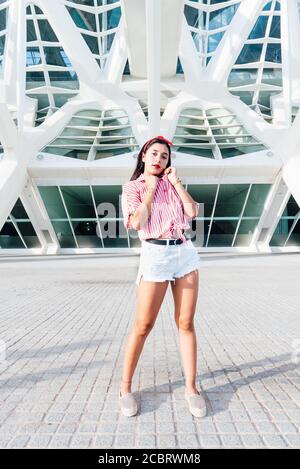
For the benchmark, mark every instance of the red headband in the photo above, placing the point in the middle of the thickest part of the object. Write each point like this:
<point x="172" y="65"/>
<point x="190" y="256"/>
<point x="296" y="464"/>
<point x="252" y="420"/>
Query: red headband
<point x="161" y="137"/>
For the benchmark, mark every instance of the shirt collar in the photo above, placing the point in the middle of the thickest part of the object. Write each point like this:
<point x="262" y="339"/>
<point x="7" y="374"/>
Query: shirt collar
<point x="142" y="178"/>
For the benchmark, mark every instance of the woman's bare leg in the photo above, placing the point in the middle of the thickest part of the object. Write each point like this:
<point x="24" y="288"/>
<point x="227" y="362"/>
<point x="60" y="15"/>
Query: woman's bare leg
<point x="150" y="296"/>
<point x="185" y="294"/>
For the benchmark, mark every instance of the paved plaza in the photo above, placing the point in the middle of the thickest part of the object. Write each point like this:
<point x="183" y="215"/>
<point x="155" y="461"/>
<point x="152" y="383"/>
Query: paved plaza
<point x="64" y="322"/>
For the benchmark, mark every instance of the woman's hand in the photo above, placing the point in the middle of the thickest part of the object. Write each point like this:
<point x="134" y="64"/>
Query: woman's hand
<point x="172" y="175"/>
<point x="151" y="181"/>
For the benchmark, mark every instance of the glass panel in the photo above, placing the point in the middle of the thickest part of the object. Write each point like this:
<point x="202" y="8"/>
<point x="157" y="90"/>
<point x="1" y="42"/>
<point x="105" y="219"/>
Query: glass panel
<point x="60" y="99"/>
<point x="226" y="120"/>
<point x="204" y="152"/>
<point x="222" y="17"/>
<point x="64" y="234"/>
<point x="179" y="68"/>
<point x="86" y="233"/>
<point x="272" y="76"/>
<point x="2" y="44"/>
<point x="259" y="30"/>
<point x="35" y="80"/>
<point x="56" y="56"/>
<point x="246" y="96"/>
<point x="92" y="42"/>
<point x="78" y="201"/>
<point x="246" y="76"/>
<point x="230" y="200"/>
<point x="190" y="121"/>
<point x="76" y="153"/>
<point x="73" y="132"/>
<point x="33" y="56"/>
<point x="294" y="239"/>
<point x="245" y="232"/>
<point x="29" y="235"/>
<point x="83" y="19"/>
<point x="53" y="202"/>
<point x="38" y="11"/>
<point x="89" y="113"/>
<point x="267" y="7"/>
<point x="193" y="16"/>
<point x="238" y="150"/>
<point x="273" y="53"/>
<point x="111" y="231"/>
<point x="236" y="130"/>
<point x="110" y="19"/>
<point x="204" y="193"/>
<point x="214" y="40"/>
<point x="230" y="152"/>
<point x="109" y="152"/>
<point x="291" y="208"/>
<point x="277" y="6"/>
<point x="193" y="112"/>
<point x="275" y="27"/>
<point x="3" y="15"/>
<point x="222" y="232"/>
<point x="89" y="3"/>
<point x="281" y="232"/>
<point x="110" y="197"/>
<point x="256" y="200"/>
<point x="9" y="238"/>
<point x="64" y="79"/>
<point x="46" y="32"/>
<point x="19" y="211"/>
<point x="250" y="53"/>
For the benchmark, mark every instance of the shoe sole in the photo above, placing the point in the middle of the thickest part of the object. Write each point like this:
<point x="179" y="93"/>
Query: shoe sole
<point x="196" y="412"/>
<point x="128" y="412"/>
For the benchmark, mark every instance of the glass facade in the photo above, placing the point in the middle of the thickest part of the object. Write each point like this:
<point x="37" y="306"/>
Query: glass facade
<point x="91" y="216"/>
<point x="18" y="232"/>
<point x="85" y="216"/>
<point x="213" y="133"/>
<point x="97" y="22"/>
<point x="287" y="232"/>
<point x="93" y="134"/>
<point x="257" y="73"/>
<point x="208" y="24"/>
<point x="3" y="31"/>
<point x="50" y="77"/>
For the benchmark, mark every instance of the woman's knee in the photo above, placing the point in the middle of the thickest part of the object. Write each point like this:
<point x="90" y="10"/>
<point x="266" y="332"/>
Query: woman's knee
<point x="143" y="328"/>
<point x="186" y="324"/>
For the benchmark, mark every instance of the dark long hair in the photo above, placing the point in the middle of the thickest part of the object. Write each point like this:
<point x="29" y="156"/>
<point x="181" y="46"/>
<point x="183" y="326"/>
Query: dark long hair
<point x="140" y="165"/>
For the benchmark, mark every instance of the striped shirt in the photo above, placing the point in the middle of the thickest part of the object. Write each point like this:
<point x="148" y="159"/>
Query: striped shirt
<point x="167" y="217"/>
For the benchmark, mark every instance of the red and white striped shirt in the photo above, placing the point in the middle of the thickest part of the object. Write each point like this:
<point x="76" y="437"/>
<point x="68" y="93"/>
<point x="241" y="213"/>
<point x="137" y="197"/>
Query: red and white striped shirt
<point x="167" y="217"/>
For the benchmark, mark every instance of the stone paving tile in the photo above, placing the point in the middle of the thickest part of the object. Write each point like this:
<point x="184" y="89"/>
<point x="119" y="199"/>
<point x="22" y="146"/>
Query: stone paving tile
<point x="64" y="323"/>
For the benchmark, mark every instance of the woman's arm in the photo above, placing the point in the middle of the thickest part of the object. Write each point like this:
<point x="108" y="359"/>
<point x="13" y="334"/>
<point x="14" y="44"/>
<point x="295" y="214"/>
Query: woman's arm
<point x="136" y="211"/>
<point x="141" y="215"/>
<point x="191" y="207"/>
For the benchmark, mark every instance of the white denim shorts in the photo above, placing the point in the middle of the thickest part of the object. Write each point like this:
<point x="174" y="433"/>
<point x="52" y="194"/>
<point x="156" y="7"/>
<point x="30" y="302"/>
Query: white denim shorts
<point x="160" y="262"/>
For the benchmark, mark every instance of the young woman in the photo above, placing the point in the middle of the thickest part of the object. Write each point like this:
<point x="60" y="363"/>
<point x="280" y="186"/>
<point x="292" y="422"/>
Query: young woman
<point x="155" y="203"/>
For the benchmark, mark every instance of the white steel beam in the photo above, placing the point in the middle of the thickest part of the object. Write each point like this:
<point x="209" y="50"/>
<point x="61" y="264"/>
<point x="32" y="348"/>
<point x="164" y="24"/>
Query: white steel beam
<point x="233" y="40"/>
<point x="153" y="41"/>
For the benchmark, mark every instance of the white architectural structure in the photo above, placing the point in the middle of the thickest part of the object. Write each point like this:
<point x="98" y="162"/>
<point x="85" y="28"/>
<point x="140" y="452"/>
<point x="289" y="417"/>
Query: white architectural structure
<point x="83" y="84"/>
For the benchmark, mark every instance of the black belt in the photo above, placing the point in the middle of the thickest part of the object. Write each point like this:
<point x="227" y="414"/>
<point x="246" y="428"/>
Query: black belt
<point x="164" y="241"/>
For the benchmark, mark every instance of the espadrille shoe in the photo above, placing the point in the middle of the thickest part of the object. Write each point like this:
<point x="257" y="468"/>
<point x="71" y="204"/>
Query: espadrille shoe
<point x="128" y="404"/>
<point x="197" y="404"/>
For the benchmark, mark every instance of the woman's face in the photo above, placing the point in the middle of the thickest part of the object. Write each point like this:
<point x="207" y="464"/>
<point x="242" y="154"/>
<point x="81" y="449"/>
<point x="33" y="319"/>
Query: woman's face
<point x="156" y="159"/>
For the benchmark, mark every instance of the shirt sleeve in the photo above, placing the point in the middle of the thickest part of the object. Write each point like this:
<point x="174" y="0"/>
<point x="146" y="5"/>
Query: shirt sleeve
<point x="130" y="201"/>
